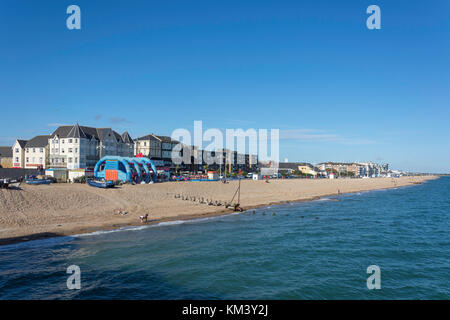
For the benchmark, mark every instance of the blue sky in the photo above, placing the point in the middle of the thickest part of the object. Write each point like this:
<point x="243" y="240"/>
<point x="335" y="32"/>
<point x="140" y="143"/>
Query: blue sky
<point x="336" y="90"/>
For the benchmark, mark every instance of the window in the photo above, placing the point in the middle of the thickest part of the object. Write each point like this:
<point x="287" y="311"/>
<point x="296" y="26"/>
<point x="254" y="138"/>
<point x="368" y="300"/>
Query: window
<point x="70" y="140"/>
<point x="40" y="160"/>
<point x="17" y="159"/>
<point x="27" y="160"/>
<point x="62" y="160"/>
<point x="41" y="150"/>
<point x="62" y="141"/>
<point x="69" y="160"/>
<point x="34" y="150"/>
<point x="70" y="150"/>
<point x="76" y="140"/>
<point x="17" y="150"/>
<point x="76" y="159"/>
<point x="62" y="150"/>
<point x="76" y="150"/>
<point x="27" y="150"/>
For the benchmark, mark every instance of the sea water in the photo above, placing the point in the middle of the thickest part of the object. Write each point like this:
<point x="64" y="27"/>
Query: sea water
<point x="306" y="250"/>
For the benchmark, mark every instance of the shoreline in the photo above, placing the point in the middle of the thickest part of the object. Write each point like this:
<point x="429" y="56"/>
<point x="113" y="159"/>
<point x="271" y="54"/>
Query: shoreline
<point x="185" y="215"/>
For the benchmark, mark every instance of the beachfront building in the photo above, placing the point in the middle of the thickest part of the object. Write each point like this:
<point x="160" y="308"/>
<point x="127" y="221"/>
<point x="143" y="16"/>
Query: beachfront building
<point x="167" y="145"/>
<point x="148" y="146"/>
<point x="341" y="168"/>
<point x="158" y="149"/>
<point x="6" y="156"/>
<point x="80" y="147"/>
<point x="234" y="161"/>
<point x="36" y="152"/>
<point x="303" y="167"/>
<point x="126" y="146"/>
<point x="355" y="169"/>
<point x="18" y="150"/>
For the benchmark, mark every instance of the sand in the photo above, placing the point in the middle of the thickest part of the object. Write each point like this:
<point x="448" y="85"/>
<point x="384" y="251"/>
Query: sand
<point x="67" y="209"/>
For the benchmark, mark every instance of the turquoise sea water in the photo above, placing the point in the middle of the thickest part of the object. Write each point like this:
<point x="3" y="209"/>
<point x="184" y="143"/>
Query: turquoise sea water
<point x="312" y="250"/>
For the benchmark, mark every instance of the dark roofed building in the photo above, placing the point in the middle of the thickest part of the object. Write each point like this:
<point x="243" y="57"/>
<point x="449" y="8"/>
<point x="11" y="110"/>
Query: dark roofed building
<point x="22" y="143"/>
<point x="18" y="150"/>
<point x="6" y="156"/>
<point x="38" y="142"/>
<point x="36" y="152"/>
<point x="79" y="147"/>
<point x="126" y="138"/>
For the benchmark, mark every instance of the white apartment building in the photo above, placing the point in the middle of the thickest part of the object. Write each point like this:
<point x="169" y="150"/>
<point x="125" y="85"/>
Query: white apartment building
<point x="18" y="150"/>
<point x="79" y="147"/>
<point x="149" y="146"/>
<point x="36" y="152"/>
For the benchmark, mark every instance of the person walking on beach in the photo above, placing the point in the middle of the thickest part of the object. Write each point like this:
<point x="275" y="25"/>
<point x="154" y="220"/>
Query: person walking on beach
<point x="144" y="218"/>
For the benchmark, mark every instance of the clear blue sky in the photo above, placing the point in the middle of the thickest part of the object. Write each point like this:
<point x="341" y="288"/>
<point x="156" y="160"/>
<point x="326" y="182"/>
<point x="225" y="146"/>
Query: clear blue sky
<point x="336" y="90"/>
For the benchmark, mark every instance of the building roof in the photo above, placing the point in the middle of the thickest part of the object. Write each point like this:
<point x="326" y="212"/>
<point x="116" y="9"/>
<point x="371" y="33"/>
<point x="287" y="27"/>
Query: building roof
<point x="164" y="139"/>
<point x="293" y="165"/>
<point x="37" y="142"/>
<point x="336" y="163"/>
<point x="22" y="143"/>
<point x="126" y="137"/>
<point x="150" y="136"/>
<point x="167" y="139"/>
<point x="6" y="152"/>
<point x="77" y="131"/>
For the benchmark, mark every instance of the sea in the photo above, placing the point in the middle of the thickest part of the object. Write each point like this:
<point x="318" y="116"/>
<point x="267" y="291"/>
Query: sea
<point x="321" y="249"/>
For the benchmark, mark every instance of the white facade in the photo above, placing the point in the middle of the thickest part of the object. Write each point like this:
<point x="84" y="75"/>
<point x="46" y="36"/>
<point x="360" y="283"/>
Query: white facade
<point x="36" y="157"/>
<point x="84" y="152"/>
<point x="18" y="155"/>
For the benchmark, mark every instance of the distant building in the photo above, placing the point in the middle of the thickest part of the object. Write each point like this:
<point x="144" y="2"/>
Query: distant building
<point x="303" y="167"/>
<point x="36" y="152"/>
<point x="80" y="147"/>
<point x="149" y="146"/>
<point x="18" y="150"/>
<point x="6" y="157"/>
<point x="167" y="145"/>
<point x="356" y="169"/>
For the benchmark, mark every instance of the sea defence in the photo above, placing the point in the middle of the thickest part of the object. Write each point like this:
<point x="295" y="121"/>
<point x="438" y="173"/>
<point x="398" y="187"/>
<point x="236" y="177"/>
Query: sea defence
<point x="126" y="169"/>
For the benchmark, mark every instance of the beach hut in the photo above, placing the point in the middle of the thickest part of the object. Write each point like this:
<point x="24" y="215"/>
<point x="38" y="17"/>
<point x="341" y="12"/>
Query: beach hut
<point x="212" y="175"/>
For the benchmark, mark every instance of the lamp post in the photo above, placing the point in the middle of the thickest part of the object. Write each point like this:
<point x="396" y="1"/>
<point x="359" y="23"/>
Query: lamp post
<point x="99" y="148"/>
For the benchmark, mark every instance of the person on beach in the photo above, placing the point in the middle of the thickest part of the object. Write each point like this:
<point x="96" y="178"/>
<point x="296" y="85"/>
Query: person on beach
<point x="144" y="218"/>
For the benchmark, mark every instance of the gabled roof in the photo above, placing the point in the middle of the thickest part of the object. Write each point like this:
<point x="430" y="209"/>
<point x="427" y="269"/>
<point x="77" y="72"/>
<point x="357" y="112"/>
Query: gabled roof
<point x="167" y="139"/>
<point x="77" y="131"/>
<point x="22" y="143"/>
<point x="150" y="136"/>
<point x="126" y="137"/>
<point x="38" y="142"/>
<point x="164" y="139"/>
<point x="6" y="152"/>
